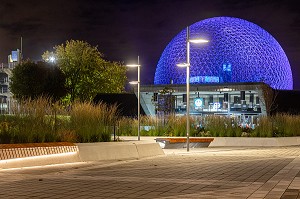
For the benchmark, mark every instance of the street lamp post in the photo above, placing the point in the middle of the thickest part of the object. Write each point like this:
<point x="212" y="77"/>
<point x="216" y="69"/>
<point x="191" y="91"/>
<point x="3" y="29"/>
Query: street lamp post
<point x="138" y="82"/>
<point x="187" y="65"/>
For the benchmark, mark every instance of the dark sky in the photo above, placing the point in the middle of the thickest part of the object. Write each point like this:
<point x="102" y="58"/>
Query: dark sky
<point x="124" y="29"/>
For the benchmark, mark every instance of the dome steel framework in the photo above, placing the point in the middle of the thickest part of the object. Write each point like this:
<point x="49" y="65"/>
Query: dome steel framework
<point x="238" y="51"/>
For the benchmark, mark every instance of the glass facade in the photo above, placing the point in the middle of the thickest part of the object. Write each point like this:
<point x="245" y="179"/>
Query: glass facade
<point x="214" y="99"/>
<point x="221" y="103"/>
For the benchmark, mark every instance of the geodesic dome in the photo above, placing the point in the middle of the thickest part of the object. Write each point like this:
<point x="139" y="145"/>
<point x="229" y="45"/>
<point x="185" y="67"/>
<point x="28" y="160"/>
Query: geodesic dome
<point x="237" y="51"/>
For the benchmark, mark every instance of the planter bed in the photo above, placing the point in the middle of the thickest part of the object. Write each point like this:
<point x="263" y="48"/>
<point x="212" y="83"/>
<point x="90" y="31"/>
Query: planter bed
<point x="175" y="143"/>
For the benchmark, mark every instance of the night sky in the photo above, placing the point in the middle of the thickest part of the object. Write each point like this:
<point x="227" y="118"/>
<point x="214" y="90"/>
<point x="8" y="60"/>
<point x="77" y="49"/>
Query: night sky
<point x="125" y="29"/>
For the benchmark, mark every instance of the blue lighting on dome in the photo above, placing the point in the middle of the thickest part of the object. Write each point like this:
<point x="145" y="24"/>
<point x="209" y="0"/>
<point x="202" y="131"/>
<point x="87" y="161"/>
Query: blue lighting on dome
<point x="237" y="51"/>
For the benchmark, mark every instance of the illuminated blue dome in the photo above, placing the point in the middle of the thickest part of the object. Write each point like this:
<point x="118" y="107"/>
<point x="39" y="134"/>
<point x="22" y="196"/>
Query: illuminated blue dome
<point x="237" y="51"/>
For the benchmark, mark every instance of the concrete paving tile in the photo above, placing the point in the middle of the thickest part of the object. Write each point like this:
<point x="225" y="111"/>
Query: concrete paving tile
<point x="271" y="196"/>
<point x="258" y="195"/>
<point x="218" y="174"/>
<point x="279" y="191"/>
<point x="289" y="197"/>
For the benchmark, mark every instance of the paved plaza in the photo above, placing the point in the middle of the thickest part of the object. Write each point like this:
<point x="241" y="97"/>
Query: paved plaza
<point x="202" y="173"/>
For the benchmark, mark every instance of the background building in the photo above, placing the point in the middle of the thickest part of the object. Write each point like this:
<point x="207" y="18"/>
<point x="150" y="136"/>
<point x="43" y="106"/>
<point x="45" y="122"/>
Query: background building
<point x="238" y="51"/>
<point x="236" y="73"/>
<point x="5" y="73"/>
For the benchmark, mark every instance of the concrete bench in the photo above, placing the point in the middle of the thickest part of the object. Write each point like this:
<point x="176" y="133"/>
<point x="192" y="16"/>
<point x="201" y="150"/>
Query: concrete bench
<point x="175" y="143"/>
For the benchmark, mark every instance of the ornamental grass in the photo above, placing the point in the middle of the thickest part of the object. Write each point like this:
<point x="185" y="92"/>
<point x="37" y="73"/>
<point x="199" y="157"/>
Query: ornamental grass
<point x="40" y="120"/>
<point x="93" y="123"/>
<point x="280" y="125"/>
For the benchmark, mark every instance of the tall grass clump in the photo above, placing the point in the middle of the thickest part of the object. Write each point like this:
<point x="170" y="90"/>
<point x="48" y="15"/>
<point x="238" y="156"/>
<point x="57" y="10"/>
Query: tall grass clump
<point x="279" y="125"/>
<point x="215" y="125"/>
<point x="170" y="125"/>
<point x="232" y="127"/>
<point x="264" y="127"/>
<point x="126" y="126"/>
<point x="162" y="127"/>
<point x="42" y="120"/>
<point x="30" y="123"/>
<point x="292" y="125"/>
<point x="279" y="122"/>
<point x="286" y="125"/>
<point x="5" y="134"/>
<point x="179" y="125"/>
<point x="147" y="125"/>
<point x="93" y="123"/>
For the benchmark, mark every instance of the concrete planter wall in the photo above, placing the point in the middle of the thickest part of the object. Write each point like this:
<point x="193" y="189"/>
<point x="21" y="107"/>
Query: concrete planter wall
<point x="255" y="141"/>
<point x="117" y="150"/>
<point x="38" y="154"/>
<point x="235" y="141"/>
<point x="13" y="151"/>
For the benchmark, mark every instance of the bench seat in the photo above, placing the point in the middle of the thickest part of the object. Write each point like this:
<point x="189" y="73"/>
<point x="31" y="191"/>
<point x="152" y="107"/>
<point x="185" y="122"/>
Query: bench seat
<point x="173" y="143"/>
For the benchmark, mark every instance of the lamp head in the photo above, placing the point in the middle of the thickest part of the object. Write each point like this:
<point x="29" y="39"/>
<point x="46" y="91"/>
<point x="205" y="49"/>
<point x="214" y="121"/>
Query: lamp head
<point x="133" y="65"/>
<point x="134" y="82"/>
<point x="198" y="41"/>
<point x="182" y="65"/>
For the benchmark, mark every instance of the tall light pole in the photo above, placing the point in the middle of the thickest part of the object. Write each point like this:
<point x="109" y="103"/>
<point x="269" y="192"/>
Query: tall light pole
<point x="187" y="65"/>
<point x="138" y="82"/>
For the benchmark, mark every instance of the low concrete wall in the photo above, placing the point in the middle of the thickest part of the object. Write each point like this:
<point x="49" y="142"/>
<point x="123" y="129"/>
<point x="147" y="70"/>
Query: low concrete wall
<point x="149" y="150"/>
<point x="13" y="151"/>
<point x="254" y="141"/>
<point x="37" y="154"/>
<point x="236" y="141"/>
<point x="80" y="152"/>
<point x="117" y="150"/>
<point x="62" y="158"/>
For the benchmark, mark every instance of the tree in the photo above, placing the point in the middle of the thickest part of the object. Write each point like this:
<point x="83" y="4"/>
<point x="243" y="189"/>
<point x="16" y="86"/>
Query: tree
<point x="49" y="57"/>
<point x="32" y="80"/>
<point x="55" y="82"/>
<point x="87" y="73"/>
<point x="269" y="98"/>
<point x="165" y="101"/>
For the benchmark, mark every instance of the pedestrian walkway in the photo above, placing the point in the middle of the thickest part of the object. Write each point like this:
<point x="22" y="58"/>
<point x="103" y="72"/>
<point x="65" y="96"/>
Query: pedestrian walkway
<point x="219" y="172"/>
